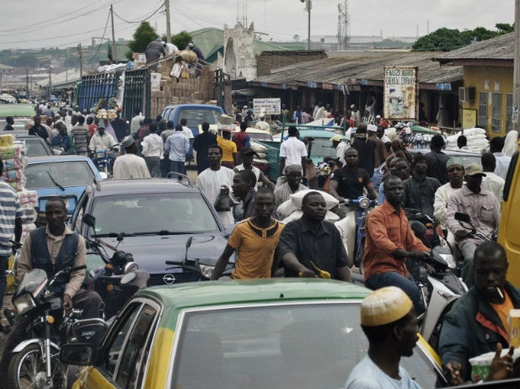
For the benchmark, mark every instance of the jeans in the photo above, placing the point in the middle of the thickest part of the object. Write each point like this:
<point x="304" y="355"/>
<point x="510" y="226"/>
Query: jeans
<point x="154" y="166"/>
<point x="4" y="259"/>
<point x="408" y="285"/>
<point x="467" y="250"/>
<point x="177" y="166"/>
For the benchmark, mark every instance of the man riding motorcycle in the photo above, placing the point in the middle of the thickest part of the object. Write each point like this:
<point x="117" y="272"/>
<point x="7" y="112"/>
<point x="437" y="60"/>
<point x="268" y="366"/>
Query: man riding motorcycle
<point x="53" y="248"/>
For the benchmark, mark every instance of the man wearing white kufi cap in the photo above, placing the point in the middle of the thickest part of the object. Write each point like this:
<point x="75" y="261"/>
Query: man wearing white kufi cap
<point x="389" y="321"/>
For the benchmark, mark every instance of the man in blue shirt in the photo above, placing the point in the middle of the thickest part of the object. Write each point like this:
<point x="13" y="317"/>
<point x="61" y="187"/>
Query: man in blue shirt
<point x="177" y="146"/>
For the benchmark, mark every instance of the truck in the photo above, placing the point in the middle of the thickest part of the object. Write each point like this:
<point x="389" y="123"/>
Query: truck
<point x="195" y="115"/>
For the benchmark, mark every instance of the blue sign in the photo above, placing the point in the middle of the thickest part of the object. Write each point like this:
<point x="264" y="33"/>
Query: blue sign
<point x="364" y="81"/>
<point x="311" y="84"/>
<point x="284" y="86"/>
<point x="444" y="86"/>
<point x="263" y="84"/>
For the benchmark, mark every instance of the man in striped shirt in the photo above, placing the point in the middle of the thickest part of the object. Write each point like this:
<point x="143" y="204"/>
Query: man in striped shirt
<point x="10" y="222"/>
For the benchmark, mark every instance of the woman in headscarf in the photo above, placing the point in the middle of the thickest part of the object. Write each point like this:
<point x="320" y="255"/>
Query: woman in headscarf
<point x="510" y="145"/>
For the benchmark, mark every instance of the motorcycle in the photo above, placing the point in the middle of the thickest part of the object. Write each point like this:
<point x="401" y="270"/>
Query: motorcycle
<point x="436" y="278"/>
<point x="35" y="362"/>
<point x="103" y="162"/>
<point x="355" y="254"/>
<point x="119" y="278"/>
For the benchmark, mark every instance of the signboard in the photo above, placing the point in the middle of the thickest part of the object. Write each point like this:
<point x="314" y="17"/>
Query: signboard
<point x="272" y="106"/>
<point x="155" y="82"/>
<point x="400" y="93"/>
<point x="469" y="118"/>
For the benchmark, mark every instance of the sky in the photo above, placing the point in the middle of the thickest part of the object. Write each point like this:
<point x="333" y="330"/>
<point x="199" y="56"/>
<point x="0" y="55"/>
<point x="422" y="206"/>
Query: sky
<point x="66" y="23"/>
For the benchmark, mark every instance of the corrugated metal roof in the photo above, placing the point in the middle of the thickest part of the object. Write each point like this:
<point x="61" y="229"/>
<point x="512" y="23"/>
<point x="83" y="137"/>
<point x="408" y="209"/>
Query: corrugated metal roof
<point x="352" y="71"/>
<point x="499" y="48"/>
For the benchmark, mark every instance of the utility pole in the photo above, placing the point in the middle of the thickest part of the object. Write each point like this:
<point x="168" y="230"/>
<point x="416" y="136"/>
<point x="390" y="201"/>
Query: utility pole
<point x="309" y="6"/>
<point x="114" y="53"/>
<point x="168" y="26"/>
<point x="50" y="82"/>
<point x="516" y="74"/>
<point x="27" y="81"/>
<point x="80" y="54"/>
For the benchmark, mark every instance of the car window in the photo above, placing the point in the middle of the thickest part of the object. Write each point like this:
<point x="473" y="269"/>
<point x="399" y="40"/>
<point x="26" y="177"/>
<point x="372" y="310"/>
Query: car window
<point x="322" y="147"/>
<point x="174" y="213"/>
<point x="135" y="352"/>
<point x="34" y="148"/>
<point x="195" y="116"/>
<point x="66" y="173"/>
<point x="259" y="136"/>
<point x="274" y="346"/>
<point x="118" y="335"/>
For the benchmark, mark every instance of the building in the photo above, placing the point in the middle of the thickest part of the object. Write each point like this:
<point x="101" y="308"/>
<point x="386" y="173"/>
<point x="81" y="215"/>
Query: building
<point x="486" y="96"/>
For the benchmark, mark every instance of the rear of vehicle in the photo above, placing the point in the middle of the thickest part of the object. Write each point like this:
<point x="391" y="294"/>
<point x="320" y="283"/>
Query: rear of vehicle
<point x="34" y="145"/>
<point x="195" y="115"/>
<point x="66" y="177"/>
<point x="21" y="114"/>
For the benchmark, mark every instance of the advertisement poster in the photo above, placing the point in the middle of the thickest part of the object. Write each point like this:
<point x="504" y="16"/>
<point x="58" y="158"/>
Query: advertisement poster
<point x="400" y="93"/>
<point x="469" y="118"/>
<point x="272" y="106"/>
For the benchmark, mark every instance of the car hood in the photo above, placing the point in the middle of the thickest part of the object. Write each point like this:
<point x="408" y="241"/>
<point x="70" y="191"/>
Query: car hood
<point x="152" y="252"/>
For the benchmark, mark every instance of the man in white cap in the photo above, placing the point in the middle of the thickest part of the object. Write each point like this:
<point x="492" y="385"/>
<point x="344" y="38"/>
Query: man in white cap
<point x="340" y="146"/>
<point x="484" y="210"/>
<point x="130" y="166"/>
<point x="389" y="322"/>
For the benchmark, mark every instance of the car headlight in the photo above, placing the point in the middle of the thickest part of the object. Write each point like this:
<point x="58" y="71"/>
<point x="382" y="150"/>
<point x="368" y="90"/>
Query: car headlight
<point x="24" y="303"/>
<point x="207" y="271"/>
<point x="364" y="203"/>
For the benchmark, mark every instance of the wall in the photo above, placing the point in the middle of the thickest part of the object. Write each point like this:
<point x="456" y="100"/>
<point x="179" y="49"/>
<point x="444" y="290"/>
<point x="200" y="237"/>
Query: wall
<point x="239" y="55"/>
<point x="490" y="80"/>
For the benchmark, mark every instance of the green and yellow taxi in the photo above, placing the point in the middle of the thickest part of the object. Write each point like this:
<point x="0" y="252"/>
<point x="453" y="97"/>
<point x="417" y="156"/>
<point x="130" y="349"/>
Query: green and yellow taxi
<point x="261" y="334"/>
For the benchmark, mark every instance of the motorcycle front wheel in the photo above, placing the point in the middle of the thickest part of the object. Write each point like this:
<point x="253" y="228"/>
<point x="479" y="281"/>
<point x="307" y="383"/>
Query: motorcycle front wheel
<point x="27" y="370"/>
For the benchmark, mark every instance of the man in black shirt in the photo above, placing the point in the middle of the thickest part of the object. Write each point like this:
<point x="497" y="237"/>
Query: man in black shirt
<point x="366" y="149"/>
<point x="312" y="240"/>
<point x="38" y="129"/>
<point x="201" y="145"/>
<point x="437" y="160"/>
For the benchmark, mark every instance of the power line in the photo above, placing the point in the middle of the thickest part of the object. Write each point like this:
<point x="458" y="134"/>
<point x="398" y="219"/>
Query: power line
<point x="142" y="20"/>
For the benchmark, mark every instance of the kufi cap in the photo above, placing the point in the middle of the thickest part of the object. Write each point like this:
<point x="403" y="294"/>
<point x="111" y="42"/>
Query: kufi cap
<point x="384" y="306"/>
<point x="336" y="138"/>
<point x="352" y="105"/>
<point x="473" y="169"/>
<point x="451" y="162"/>
<point x="371" y="128"/>
<point x="128" y="141"/>
<point x="293" y="169"/>
<point x="378" y="116"/>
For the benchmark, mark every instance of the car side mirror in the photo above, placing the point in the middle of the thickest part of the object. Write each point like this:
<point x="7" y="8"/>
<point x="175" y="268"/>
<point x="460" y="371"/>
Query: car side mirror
<point x="89" y="220"/>
<point x="77" y="354"/>
<point x="462" y="217"/>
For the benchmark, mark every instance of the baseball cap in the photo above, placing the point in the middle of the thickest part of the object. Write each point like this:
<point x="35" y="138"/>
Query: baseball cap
<point x="336" y="138"/>
<point x="474" y="169"/>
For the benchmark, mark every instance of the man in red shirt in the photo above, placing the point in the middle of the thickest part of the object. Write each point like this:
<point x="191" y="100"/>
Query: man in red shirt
<point x="241" y="138"/>
<point x="389" y="241"/>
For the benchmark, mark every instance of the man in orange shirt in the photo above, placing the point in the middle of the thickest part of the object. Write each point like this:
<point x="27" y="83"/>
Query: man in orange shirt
<point x="389" y="241"/>
<point x="229" y="149"/>
<point x="256" y="240"/>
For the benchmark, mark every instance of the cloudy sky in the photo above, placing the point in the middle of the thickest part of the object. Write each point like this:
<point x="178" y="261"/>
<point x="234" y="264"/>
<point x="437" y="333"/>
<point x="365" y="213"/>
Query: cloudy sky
<point x="65" y="23"/>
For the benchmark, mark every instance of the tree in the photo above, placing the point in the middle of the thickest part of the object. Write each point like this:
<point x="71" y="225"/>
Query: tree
<point x="27" y="61"/>
<point x="505" y="28"/>
<point x="182" y="39"/>
<point x="144" y="34"/>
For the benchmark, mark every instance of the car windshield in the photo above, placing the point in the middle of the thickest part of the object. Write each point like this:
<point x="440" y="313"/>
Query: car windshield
<point x="53" y="174"/>
<point x="301" y="346"/>
<point x="164" y="213"/>
<point x="322" y="147"/>
<point x="33" y="147"/>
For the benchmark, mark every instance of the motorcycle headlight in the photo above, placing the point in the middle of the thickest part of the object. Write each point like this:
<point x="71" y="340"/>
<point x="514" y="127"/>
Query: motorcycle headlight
<point x="24" y="303"/>
<point x="364" y="203"/>
<point x="207" y="271"/>
<point x="130" y="267"/>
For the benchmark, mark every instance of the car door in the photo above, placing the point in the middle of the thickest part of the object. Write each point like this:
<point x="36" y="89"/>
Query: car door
<point x="126" y="348"/>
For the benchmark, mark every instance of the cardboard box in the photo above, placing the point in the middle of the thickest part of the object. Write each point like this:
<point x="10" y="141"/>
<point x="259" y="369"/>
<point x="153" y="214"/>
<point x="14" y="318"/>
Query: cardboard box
<point x="514" y="328"/>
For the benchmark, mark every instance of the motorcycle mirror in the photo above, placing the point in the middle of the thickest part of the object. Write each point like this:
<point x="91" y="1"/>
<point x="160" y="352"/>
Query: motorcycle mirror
<point x="89" y="220"/>
<point x="188" y="245"/>
<point x="462" y="217"/>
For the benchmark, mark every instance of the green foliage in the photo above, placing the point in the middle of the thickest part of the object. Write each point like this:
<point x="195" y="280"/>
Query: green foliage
<point x="27" y="61"/>
<point x="391" y="44"/>
<point x="445" y="39"/>
<point x="182" y="39"/>
<point x="144" y="34"/>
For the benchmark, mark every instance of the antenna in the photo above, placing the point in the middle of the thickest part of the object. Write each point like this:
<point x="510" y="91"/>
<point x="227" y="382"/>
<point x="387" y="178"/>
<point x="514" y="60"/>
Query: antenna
<point x="242" y="12"/>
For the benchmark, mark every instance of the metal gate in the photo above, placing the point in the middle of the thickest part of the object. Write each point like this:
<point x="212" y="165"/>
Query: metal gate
<point x="137" y="93"/>
<point x="97" y="86"/>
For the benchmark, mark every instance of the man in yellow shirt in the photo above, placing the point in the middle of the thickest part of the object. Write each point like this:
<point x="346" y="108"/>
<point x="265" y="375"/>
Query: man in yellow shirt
<point x="255" y="240"/>
<point x="229" y="149"/>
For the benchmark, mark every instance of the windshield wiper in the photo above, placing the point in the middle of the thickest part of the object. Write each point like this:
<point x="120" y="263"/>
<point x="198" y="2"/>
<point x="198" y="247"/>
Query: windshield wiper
<point x="161" y="232"/>
<point x="54" y="181"/>
<point x="111" y="235"/>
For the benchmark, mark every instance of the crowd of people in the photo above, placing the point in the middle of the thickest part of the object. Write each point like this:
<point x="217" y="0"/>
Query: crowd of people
<point x="247" y="201"/>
